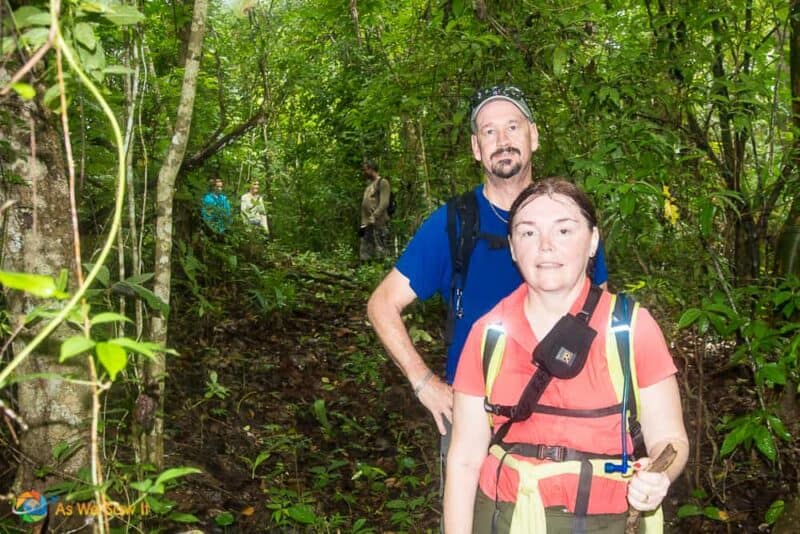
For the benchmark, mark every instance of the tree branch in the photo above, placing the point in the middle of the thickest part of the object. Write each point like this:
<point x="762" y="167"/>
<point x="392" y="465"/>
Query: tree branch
<point x="214" y="145"/>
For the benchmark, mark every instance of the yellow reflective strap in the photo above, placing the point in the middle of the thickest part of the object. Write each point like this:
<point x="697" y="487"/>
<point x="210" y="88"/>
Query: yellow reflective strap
<point x="612" y="356"/>
<point x="495" y="361"/>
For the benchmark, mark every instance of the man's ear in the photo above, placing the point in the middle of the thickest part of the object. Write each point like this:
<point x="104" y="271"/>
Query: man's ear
<point x="476" y="148"/>
<point x="534" y="131"/>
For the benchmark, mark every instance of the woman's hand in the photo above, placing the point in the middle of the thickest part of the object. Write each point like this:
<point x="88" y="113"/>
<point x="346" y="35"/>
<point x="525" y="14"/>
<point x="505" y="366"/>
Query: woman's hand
<point x="647" y="490"/>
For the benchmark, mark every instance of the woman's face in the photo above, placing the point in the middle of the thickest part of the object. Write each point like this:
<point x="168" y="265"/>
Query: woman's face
<point x="551" y="242"/>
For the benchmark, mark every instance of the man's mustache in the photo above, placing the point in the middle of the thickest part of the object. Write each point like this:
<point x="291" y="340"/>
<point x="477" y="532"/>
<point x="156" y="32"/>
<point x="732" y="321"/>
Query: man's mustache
<point x="510" y="150"/>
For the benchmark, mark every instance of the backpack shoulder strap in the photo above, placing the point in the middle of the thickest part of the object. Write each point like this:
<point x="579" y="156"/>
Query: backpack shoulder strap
<point x="621" y="325"/>
<point x="493" y="349"/>
<point x="463" y="226"/>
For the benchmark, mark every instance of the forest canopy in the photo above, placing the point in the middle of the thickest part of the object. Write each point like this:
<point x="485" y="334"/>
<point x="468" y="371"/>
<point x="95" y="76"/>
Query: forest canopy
<point x="679" y="118"/>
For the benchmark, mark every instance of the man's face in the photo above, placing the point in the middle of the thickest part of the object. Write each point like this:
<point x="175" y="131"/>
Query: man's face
<point x="254" y="189"/>
<point x="504" y="139"/>
<point x="218" y="185"/>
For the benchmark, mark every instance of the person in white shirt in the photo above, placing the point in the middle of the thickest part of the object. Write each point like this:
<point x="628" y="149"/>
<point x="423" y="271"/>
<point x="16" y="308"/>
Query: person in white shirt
<point x="253" y="211"/>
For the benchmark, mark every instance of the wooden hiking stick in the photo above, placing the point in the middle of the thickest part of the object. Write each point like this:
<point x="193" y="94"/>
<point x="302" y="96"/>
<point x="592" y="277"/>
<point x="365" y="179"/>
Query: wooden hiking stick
<point x="659" y="465"/>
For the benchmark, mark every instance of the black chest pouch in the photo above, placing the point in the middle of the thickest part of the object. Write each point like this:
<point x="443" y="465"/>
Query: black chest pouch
<point x="564" y="350"/>
<point x="562" y="354"/>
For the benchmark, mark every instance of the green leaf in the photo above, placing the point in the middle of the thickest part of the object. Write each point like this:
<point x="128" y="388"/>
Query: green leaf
<point x="123" y="15"/>
<point x="113" y="357"/>
<point x="117" y="69"/>
<point x="108" y="317"/>
<point x="778" y="428"/>
<point x="24" y="90"/>
<point x="180" y="517"/>
<point x="736" y="437"/>
<point x="774" y="511"/>
<point x="103" y="275"/>
<point x="31" y="16"/>
<point x="139" y="278"/>
<point x="51" y="97"/>
<point x="627" y="204"/>
<point x="689" y="316"/>
<point x="773" y="372"/>
<point x="148" y="296"/>
<point x="224" y="519"/>
<point x="712" y="512"/>
<point x="36" y="284"/>
<point x="559" y="60"/>
<point x="142" y="486"/>
<point x="689" y="510"/>
<point x="765" y="443"/>
<point x="706" y="218"/>
<point x="7" y="46"/>
<point x="62" y="280"/>
<point x="34" y="37"/>
<point x="302" y="513"/>
<point x="93" y="7"/>
<point x="176" y="472"/>
<point x="262" y="456"/>
<point x="74" y="346"/>
<point x="84" y="34"/>
<point x="144" y="348"/>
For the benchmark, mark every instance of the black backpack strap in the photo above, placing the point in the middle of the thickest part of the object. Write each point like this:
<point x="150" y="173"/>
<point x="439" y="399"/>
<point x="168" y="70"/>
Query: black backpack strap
<point x="495" y="241"/>
<point x="463" y="225"/>
<point x="463" y="232"/>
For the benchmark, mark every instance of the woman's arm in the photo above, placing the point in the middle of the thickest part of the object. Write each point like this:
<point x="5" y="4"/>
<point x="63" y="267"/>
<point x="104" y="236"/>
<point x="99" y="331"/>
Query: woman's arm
<point x="662" y="424"/>
<point x="468" y="448"/>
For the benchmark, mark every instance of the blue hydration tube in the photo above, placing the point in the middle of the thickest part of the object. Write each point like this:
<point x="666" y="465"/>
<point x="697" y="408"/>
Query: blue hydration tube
<point x="611" y="467"/>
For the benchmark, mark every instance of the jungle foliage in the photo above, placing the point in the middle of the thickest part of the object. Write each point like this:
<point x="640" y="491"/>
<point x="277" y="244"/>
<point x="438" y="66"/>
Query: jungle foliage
<point x="680" y="118"/>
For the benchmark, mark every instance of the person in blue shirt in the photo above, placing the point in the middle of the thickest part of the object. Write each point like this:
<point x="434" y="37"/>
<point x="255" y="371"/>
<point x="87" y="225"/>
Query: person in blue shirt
<point x="504" y="137"/>
<point x="216" y="210"/>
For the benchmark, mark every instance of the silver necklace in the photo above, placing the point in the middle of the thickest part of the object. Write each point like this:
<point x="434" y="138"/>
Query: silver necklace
<point x="505" y="221"/>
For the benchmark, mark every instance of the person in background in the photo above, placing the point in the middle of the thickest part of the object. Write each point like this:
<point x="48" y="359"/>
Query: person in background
<point x="216" y="210"/>
<point x="374" y="230"/>
<point x="504" y="138"/>
<point x="253" y="211"/>
<point x="555" y="457"/>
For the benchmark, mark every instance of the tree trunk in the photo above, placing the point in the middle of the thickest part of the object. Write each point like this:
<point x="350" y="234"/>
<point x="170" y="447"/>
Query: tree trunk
<point x="37" y="238"/>
<point x="787" y="257"/>
<point x="151" y="443"/>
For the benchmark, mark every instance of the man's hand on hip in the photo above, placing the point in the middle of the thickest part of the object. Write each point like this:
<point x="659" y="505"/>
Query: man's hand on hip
<point x="437" y="397"/>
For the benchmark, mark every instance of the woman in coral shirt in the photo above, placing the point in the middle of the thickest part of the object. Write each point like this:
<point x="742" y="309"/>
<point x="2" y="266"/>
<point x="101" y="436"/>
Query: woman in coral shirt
<point x="577" y="427"/>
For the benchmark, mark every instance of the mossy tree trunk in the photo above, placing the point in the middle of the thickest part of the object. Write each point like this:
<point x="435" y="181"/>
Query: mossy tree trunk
<point x="151" y="443"/>
<point x="37" y="238"/>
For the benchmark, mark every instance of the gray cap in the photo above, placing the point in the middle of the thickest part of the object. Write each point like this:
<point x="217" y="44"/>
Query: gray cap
<point x="508" y="93"/>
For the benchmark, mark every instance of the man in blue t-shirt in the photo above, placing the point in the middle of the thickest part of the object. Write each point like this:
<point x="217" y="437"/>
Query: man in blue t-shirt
<point x="503" y="138"/>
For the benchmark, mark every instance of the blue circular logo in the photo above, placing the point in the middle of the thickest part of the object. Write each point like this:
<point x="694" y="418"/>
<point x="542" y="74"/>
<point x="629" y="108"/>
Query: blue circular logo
<point x="31" y="506"/>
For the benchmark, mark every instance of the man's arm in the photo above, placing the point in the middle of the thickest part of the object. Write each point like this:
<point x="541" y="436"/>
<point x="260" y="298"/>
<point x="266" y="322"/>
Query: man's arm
<point x="384" y="309"/>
